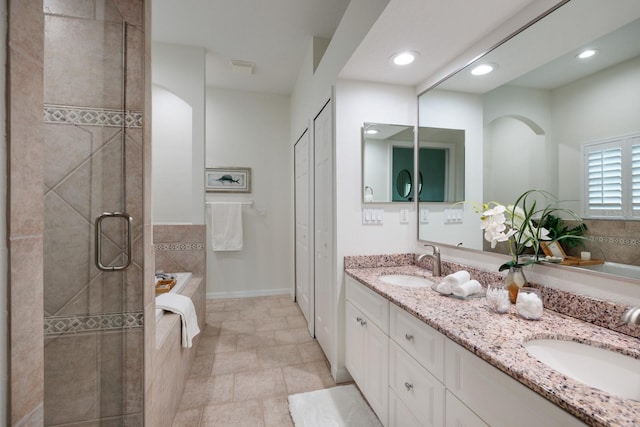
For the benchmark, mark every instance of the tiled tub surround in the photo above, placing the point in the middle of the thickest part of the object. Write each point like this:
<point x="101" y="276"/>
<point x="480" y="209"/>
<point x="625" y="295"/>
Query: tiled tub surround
<point x="177" y="248"/>
<point x="180" y="248"/>
<point x="499" y="339"/>
<point x="172" y="362"/>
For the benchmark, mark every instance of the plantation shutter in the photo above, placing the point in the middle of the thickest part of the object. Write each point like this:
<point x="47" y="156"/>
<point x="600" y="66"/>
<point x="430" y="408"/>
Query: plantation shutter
<point x="604" y="180"/>
<point x="612" y="178"/>
<point x="635" y="176"/>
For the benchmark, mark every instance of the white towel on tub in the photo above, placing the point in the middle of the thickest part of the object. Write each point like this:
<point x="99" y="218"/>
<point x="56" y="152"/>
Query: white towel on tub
<point x="226" y="226"/>
<point x="183" y="306"/>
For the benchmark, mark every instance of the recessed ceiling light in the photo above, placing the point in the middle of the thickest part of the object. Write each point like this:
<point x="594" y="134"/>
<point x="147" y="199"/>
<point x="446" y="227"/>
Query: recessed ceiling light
<point x="403" y="58"/>
<point x="371" y="131"/>
<point x="587" y="53"/>
<point x="482" y="69"/>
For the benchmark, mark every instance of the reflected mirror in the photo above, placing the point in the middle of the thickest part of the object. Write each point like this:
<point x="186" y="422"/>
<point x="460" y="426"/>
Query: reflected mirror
<point x="441" y="164"/>
<point x="387" y="163"/>
<point x="532" y="123"/>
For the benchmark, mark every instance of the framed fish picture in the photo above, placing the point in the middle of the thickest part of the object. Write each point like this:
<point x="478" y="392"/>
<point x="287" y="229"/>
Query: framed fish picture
<point x="228" y="180"/>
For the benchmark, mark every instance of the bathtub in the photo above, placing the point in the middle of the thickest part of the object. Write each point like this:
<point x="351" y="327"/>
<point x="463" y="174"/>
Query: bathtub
<point x="617" y="269"/>
<point x="181" y="281"/>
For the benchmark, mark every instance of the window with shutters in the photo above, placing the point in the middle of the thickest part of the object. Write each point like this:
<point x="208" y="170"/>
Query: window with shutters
<point x="611" y="171"/>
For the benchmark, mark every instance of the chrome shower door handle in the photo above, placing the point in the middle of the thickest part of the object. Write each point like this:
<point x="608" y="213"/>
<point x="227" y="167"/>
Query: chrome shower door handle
<point x="129" y="221"/>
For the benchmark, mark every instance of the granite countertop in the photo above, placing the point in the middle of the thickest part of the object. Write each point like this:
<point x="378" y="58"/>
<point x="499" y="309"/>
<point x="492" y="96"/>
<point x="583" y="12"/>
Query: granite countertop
<point x="499" y="340"/>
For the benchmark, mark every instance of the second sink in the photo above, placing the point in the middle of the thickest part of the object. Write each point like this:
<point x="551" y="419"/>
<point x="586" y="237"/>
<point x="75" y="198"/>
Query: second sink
<point x="406" y="280"/>
<point x="606" y="370"/>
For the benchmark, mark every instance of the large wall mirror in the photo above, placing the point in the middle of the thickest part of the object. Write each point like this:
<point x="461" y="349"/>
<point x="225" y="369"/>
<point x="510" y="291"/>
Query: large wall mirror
<point x="527" y="123"/>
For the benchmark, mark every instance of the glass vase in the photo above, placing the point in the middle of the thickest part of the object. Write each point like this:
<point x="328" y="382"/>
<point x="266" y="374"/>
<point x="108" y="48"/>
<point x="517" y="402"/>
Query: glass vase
<point x="515" y="281"/>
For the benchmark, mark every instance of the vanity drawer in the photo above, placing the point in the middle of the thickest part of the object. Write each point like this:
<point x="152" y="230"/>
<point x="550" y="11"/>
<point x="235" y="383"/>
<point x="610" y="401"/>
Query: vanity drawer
<point x="420" y="340"/>
<point x="420" y="391"/>
<point x="372" y="305"/>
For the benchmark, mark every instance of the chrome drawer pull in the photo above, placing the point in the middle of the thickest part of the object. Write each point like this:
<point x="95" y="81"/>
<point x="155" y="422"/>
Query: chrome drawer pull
<point x="409" y="337"/>
<point x="409" y="386"/>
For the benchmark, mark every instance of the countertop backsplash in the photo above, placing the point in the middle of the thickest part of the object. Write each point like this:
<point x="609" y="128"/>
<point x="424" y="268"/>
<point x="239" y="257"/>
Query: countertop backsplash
<point x="598" y="312"/>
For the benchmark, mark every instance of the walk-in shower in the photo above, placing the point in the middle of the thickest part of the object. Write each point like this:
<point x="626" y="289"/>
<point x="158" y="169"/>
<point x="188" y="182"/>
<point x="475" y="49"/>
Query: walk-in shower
<point x="93" y="262"/>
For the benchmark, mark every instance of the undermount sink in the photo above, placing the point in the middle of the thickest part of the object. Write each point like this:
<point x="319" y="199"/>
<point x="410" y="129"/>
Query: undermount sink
<point x="596" y="367"/>
<point x="406" y="280"/>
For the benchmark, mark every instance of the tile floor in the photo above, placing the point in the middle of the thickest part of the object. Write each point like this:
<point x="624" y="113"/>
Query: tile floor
<point x="252" y="354"/>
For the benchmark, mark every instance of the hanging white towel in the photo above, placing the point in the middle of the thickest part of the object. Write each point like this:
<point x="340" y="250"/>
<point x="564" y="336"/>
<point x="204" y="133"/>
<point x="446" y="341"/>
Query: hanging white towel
<point x="183" y="306"/>
<point x="226" y="226"/>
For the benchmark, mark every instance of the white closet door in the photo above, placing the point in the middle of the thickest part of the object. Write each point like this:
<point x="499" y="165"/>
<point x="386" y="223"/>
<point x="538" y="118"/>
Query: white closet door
<point x="304" y="228"/>
<point x="323" y="225"/>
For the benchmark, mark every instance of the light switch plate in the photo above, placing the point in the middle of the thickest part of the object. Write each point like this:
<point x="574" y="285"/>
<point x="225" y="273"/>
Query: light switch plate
<point x="424" y="216"/>
<point x="404" y="216"/>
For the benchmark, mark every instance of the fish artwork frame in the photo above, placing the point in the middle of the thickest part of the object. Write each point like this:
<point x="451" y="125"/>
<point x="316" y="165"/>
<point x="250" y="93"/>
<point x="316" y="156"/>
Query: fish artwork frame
<point x="228" y="180"/>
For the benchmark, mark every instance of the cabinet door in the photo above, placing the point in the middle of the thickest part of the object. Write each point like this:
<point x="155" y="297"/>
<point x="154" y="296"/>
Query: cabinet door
<point x="421" y="341"/>
<point x="458" y="415"/>
<point x="496" y="397"/>
<point x="416" y="387"/>
<point x="399" y="414"/>
<point x="354" y="333"/>
<point x="376" y="369"/>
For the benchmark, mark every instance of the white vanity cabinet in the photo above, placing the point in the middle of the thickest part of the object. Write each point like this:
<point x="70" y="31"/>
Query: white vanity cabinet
<point x="367" y="344"/>
<point x="414" y="376"/>
<point x="496" y="398"/>
<point x="416" y="369"/>
<point x="458" y="415"/>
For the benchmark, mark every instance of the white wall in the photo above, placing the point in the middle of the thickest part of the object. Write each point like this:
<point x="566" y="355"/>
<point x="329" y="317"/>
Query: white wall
<point x="181" y="70"/>
<point x="518" y="142"/>
<point x="456" y="110"/>
<point x="603" y="105"/>
<point x="312" y="90"/>
<point x="248" y="129"/>
<point x="356" y="103"/>
<point x="172" y="161"/>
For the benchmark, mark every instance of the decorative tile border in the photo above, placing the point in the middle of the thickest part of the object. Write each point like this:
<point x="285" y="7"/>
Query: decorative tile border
<point x="616" y="240"/>
<point x="87" y="116"/>
<point x="63" y="325"/>
<point x="179" y="246"/>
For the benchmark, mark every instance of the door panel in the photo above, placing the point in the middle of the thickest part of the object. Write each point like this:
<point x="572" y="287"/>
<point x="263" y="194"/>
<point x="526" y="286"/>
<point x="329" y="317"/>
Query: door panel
<point x="303" y="220"/>
<point x="323" y="226"/>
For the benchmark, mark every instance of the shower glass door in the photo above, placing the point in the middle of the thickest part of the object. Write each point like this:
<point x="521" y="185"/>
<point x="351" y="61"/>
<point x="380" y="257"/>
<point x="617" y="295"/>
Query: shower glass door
<point x="92" y="300"/>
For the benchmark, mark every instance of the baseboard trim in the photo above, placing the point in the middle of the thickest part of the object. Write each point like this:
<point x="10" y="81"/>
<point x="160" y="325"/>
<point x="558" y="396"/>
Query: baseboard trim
<point x="342" y="375"/>
<point x="248" y="294"/>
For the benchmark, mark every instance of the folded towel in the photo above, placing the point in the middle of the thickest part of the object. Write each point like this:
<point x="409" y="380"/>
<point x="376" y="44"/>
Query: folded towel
<point x="468" y="288"/>
<point x="444" y="287"/>
<point x="226" y="226"/>
<point x="457" y="278"/>
<point x="183" y="306"/>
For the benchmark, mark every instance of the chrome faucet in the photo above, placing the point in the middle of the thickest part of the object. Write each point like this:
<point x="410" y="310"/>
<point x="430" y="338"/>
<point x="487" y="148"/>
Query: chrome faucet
<point x="437" y="267"/>
<point x="632" y="316"/>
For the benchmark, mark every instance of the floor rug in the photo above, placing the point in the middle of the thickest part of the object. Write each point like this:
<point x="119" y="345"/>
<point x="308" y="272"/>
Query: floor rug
<point x="337" y="406"/>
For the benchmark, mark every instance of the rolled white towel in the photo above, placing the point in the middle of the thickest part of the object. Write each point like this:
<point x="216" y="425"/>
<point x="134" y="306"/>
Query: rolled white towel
<point x="468" y="288"/>
<point x="457" y="278"/>
<point x="444" y="287"/>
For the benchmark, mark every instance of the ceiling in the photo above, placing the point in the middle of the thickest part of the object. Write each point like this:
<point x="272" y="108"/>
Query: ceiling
<point x="276" y="35"/>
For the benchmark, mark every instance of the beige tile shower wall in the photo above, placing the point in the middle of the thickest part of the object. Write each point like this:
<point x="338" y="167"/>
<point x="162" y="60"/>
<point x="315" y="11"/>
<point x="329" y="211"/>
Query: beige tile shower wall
<point x="25" y="211"/>
<point x="614" y="241"/>
<point x="180" y="248"/>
